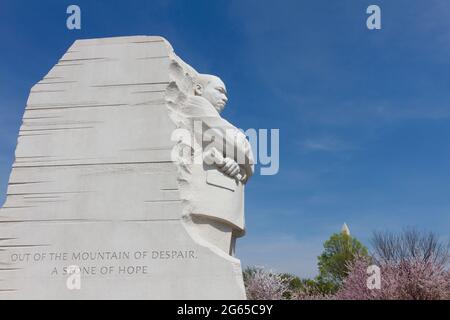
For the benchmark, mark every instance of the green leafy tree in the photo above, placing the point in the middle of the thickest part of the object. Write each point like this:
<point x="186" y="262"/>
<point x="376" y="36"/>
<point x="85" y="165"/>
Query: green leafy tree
<point x="294" y="284"/>
<point x="305" y="289"/>
<point x="339" y="252"/>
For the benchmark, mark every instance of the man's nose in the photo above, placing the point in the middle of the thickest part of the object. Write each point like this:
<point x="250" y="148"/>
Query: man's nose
<point x="225" y="99"/>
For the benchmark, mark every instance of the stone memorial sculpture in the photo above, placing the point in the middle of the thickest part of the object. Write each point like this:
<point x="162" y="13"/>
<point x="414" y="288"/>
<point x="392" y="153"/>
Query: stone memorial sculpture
<point x="127" y="183"/>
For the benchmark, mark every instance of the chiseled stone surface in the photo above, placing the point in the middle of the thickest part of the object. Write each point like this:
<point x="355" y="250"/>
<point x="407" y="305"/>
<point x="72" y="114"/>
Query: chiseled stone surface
<point x="95" y="182"/>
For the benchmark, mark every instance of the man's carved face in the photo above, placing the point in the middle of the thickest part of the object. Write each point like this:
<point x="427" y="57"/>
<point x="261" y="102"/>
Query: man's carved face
<point x="215" y="92"/>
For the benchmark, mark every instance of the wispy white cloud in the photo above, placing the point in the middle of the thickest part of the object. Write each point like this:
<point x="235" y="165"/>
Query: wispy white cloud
<point x="310" y="56"/>
<point x="364" y="112"/>
<point x="326" y="144"/>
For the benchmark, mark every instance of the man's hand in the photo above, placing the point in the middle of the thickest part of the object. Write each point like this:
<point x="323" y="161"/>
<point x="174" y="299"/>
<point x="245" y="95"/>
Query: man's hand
<point x="229" y="167"/>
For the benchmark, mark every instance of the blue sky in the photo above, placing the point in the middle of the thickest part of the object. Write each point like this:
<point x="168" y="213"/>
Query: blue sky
<point x="364" y="116"/>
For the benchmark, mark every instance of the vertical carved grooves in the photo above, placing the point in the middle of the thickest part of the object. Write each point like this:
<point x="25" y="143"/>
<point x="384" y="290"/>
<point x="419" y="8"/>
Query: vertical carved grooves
<point x="180" y="86"/>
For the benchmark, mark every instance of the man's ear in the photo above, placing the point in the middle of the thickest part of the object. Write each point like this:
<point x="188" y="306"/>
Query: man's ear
<point x="198" y="89"/>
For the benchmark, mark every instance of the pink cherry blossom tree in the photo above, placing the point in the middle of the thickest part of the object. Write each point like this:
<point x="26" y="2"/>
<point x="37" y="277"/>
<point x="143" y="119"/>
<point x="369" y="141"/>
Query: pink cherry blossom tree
<point x="264" y="284"/>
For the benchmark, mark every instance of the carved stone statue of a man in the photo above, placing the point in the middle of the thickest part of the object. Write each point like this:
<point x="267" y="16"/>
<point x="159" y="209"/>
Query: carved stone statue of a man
<point x="228" y="164"/>
<point x="214" y="91"/>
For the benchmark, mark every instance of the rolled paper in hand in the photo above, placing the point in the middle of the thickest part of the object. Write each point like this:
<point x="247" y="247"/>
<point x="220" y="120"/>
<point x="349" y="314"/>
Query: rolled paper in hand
<point x="217" y="158"/>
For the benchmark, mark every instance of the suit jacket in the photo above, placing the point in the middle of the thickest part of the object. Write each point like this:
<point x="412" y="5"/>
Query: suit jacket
<point x="214" y="194"/>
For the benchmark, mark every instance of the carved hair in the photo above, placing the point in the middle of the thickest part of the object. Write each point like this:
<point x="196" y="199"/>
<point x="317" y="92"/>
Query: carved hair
<point x="204" y="79"/>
